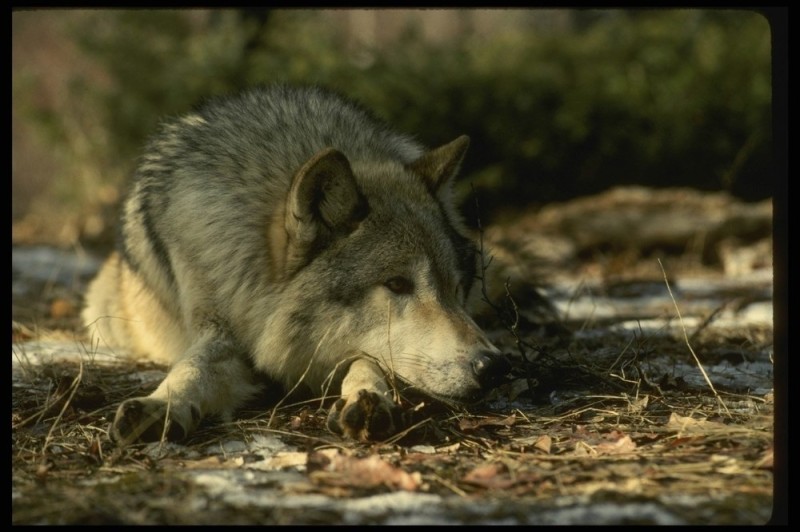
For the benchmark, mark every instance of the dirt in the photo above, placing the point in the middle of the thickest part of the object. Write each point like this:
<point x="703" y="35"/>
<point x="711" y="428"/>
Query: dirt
<point x="650" y="403"/>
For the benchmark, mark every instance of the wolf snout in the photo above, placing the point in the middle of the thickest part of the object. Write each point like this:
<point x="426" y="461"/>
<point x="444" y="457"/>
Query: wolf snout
<point x="490" y="369"/>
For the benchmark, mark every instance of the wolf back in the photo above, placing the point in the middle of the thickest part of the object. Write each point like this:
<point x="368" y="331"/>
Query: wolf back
<point x="286" y="229"/>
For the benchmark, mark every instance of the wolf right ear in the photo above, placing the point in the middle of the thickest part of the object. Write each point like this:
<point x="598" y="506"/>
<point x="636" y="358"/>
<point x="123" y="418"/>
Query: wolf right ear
<point x="324" y="200"/>
<point x="441" y="164"/>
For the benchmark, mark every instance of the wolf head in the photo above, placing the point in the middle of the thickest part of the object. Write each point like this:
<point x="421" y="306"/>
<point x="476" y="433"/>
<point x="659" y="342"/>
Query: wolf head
<point x="378" y="265"/>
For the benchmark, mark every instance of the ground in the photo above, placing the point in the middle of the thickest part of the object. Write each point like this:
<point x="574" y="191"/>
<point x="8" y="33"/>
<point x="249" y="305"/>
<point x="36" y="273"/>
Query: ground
<point x="651" y="402"/>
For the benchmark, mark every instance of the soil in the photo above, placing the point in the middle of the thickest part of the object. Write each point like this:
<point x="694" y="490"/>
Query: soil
<point x="649" y="401"/>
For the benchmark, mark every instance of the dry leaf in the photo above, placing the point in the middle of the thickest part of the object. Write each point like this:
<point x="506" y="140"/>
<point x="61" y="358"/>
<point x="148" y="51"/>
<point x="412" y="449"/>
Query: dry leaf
<point x="370" y="472"/>
<point x="688" y="425"/>
<point x="491" y="475"/>
<point x="497" y="476"/>
<point x="473" y="423"/>
<point x="61" y="308"/>
<point x="543" y="443"/>
<point x="620" y="445"/>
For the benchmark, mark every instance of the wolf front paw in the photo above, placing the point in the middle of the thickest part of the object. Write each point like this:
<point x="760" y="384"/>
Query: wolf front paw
<point x="142" y="420"/>
<point x="365" y="416"/>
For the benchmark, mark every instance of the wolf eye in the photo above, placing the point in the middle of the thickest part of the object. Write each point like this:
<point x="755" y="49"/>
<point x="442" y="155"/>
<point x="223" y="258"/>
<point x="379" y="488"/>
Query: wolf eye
<point x="400" y="285"/>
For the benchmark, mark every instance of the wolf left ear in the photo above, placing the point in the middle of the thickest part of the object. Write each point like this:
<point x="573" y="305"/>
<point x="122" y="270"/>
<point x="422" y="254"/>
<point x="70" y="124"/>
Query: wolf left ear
<point x="440" y="165"/>
<point x="324" y="200"/>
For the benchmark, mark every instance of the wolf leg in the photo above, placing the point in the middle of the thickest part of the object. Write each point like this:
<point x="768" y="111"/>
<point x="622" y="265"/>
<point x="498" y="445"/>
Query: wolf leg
<point x="212" y="378"/>
<point x="365" y="411"/>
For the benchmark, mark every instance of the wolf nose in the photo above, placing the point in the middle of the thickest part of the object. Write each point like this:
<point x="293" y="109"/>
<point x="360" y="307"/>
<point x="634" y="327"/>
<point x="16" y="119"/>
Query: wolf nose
<point x="490" y="369"/>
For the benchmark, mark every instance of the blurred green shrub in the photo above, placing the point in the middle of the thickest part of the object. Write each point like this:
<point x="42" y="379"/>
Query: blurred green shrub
<point x="656" y="97"/>
<point x="661" y="98"/>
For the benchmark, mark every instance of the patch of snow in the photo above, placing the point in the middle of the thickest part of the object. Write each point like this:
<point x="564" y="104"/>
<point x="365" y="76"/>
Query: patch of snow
<point x="48" y="351"/>
<point x="609" y="514"/>
<point x="49" y="264"/>
<point x="265" y="446"/>
<point x="226" y="448"/>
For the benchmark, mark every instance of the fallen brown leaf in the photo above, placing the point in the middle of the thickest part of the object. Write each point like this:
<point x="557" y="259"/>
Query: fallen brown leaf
<point x="370" y="472"/>
<point x="473" y="423"/>
<point x="502" y="476"/>
<point x="493" y="476"/>
<point x="685" y="425"/>
<point x="623" y="444"/>
<point x="61" y="308"/>
<point x="543" y="443"/>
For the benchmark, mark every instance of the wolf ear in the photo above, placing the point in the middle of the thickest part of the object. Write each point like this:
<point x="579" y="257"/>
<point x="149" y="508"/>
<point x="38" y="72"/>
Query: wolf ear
<point x="440" y="165"/>
<point x="324" y="200"/>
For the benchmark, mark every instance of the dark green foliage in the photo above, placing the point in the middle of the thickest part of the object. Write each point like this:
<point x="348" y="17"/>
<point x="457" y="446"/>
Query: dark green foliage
<point x="657" y="97"/>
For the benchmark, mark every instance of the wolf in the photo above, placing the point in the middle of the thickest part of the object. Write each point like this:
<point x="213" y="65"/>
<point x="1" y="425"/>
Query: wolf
<point x="285" y="231"/>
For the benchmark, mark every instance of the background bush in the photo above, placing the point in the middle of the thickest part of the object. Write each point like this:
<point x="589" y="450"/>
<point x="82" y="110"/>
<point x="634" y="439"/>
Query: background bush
<point x="657" y="97"/>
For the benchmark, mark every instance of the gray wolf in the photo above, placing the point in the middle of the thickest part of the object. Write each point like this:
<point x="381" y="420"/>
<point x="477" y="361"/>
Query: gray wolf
<point x="285" y="231"/>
